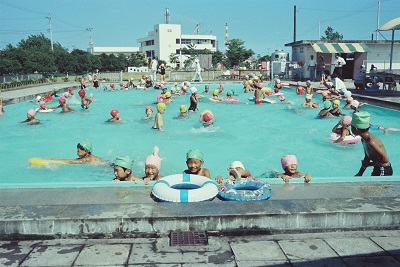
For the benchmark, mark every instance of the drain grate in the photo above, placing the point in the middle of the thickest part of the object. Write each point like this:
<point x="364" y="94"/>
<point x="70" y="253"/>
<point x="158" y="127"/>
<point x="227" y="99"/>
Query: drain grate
<point x="188" y="238"/>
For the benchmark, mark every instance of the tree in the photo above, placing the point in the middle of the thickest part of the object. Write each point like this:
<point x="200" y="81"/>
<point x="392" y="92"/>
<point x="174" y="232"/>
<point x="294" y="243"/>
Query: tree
<point x="330" y="35"/>
<point x="137" y="59"/>
<point x="237" y="53"/>
<point x="174" y="58"/>
<point x="218" y="57"/>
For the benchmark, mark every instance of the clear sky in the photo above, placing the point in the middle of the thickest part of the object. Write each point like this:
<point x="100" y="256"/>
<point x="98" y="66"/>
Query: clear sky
<point x="264" y="25"/>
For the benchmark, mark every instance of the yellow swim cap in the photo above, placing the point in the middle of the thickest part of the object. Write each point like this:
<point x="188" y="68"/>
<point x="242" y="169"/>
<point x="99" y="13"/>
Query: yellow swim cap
<point x="206" y="111"/>
<point x="337" y="102"/>
<point x="183" y="108"/>
<point x="167" y="94"/>
<point x="161" y="107"/>
<point x="215" y="92"/>
<point x="251" y="82"/>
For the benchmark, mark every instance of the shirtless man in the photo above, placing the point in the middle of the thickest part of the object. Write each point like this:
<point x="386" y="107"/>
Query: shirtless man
<point x="374" y="150"/>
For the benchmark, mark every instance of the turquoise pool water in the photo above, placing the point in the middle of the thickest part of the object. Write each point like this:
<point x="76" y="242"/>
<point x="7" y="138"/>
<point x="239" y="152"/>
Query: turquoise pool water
<point x="257" y="135"/>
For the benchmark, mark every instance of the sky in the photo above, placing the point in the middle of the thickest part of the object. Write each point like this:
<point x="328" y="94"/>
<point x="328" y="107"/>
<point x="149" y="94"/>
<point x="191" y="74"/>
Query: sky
<point x="263" y="25"/>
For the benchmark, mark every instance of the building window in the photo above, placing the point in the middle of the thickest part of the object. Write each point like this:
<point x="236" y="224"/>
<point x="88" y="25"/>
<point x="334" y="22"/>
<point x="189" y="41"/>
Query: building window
<point x="213" y="43"/>
<point x="151" y="42"/>
<point x="301" y="50"/>
<point x="178" y="41"/>
<point x="186" y="41"/>
<point x="177" y="51"/>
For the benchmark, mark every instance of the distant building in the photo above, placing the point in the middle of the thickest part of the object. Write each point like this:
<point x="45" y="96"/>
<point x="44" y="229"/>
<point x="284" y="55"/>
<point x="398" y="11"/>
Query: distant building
<point x="114" y="50"/>
<point x="167" y="39"/>
<point x="355" y="52"/>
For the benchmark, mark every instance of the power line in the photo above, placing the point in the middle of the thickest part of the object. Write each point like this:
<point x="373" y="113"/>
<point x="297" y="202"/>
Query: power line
<point x="21" y="7"/>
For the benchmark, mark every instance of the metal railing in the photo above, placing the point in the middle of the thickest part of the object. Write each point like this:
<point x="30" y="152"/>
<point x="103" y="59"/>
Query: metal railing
<point x="19" y="77"/>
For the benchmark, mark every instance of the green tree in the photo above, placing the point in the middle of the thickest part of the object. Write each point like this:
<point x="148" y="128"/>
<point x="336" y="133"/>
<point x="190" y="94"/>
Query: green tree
<point x="218" y="57"/>
<point x="236" y="53"/>
<point x="331" y="35"/>
<point x="174" y="58"/>
<point x="137" y="59"/>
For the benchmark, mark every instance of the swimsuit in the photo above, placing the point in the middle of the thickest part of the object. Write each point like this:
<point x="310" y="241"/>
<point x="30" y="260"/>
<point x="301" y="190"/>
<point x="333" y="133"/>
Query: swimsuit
<point x="382" y="171"/>
<point x="95" y="84"/>
<point x="193" y="105"/>
<point x="335" y="113"/>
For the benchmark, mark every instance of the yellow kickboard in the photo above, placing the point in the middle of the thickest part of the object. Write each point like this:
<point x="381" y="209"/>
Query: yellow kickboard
<point x="44" y="161"/>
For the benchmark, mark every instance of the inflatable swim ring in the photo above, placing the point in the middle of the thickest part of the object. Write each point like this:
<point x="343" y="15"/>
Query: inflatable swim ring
<point x="47" y="98"/>
<point x="44" y="161"/>
<point x="277" y="94"/>
<point x="321" y="91"/>
<point x="185" y="188"/>
<point x="285" y="84"/>
<point x="265" y="100"/>
<point x="214" y="100"/>
<point x="45" y="110"/>
<point x="347" y="140"/>
<point x="244" y="189"/>
<point x="232" y="100"/>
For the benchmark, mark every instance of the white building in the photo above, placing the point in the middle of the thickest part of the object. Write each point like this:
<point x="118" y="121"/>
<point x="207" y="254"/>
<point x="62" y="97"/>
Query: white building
<point x="114" y="50"/>
<point x="355" y="52"/>
<point x="167" y="39"/>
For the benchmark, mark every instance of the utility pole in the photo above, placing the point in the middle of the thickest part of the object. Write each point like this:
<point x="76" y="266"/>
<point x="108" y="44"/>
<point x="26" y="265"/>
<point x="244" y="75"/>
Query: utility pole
<point x="294" y="25"/>
<point x="377" y="20"/>
<point x="90" y="41"/>
<point x="51" y="32"/>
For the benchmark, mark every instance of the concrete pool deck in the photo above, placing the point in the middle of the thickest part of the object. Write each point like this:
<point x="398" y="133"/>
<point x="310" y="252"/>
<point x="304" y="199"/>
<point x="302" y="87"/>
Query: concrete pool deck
<point x="109" y="210"/>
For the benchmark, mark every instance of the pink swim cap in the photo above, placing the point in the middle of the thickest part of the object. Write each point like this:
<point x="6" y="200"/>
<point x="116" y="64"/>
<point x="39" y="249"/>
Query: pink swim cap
<point x="149" y="107"/>
<point x="282" y="98"/>
<point x="347" y="120"/>
<point x="32" y="112"/>
<point x="62" y="99"/>
<point x="207" y="117"/>
<point x="42" y="103"/>
<point x="66" y="94"/>
<point x="70" y="89"/>
<point x="288" y="160"/>
<point x="349" y="99"/>
<point x="121" y="83"/>
<point x="114" y="112"/>
<point x="154" y="160"/>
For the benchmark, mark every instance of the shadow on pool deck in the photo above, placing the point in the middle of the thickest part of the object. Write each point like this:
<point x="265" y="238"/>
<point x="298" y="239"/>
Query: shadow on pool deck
<point x="130" y="211"/>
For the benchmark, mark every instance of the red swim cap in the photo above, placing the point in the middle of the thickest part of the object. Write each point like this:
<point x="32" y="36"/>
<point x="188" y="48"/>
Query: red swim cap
<point x="82" y="93"/>
<point x="207" y="117"/>
<point x="114" y="112"/>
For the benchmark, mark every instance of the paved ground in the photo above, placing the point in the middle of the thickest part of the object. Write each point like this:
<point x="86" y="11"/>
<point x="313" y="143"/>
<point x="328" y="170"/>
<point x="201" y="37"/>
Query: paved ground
<point x="368" y="248"/>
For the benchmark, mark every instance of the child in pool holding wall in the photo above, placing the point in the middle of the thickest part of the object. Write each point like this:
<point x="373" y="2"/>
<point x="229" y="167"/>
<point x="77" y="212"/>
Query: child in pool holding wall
<point x="289" y="165"/>
<point x="123" y="169"/>
<point x="194" y="163"/>
<point x="152" y="167"/>
<point x="236" y="170"/>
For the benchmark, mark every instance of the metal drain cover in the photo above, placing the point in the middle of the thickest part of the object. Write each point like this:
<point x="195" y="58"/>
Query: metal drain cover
<point x="188" y="238"/>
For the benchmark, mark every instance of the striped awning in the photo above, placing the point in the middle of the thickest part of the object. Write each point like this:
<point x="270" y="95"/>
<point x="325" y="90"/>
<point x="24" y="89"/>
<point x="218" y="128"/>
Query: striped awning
<point x="340" y="47"/>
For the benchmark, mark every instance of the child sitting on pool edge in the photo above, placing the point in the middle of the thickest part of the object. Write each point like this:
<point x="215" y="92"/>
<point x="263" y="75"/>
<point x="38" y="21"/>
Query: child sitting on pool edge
<point x="236" y="170"/>
<point x="289" y="165"/>
<point x="194" y="163"/>
<point x="123" y="169"/>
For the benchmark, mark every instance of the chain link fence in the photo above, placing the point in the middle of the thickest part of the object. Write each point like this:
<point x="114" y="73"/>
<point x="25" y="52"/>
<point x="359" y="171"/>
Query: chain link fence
<point x="20" y="77"/>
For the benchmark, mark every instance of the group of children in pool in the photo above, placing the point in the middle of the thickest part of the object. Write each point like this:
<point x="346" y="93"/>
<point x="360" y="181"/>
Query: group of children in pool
<point x="251" y="83"/>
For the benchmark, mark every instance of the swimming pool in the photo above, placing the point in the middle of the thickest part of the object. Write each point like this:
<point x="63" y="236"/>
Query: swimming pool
<point x="257" y="135"/>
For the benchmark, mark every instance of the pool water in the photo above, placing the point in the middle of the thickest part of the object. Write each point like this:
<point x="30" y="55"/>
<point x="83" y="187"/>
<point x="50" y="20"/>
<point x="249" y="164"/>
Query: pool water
<point x="257" y="135"/>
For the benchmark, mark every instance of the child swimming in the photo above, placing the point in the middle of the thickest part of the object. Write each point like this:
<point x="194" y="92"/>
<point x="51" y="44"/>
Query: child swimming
<point x="206" y="118"/>
<point x="30" y="117"/>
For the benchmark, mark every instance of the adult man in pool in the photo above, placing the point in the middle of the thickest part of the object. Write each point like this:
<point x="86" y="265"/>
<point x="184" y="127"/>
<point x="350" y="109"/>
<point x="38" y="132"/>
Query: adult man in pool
<point x="374" y="150"/>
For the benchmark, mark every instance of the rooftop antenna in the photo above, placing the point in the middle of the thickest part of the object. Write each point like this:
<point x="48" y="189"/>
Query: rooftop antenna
<point x="226" y="37"/>
<point x="197" y="29"/>
<point x="90" y="41"/>
<point x="51" y="31"/>
<point x="377" y="20"/>
<point x="167" y="15"/>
